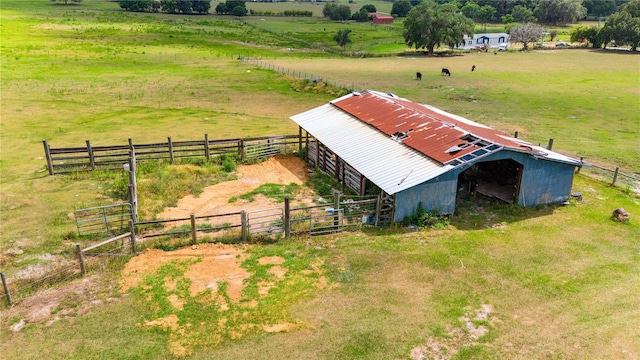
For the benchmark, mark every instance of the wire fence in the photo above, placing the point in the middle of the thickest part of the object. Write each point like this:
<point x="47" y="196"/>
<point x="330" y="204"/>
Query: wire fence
<point x="299" y="74"/>
<point x="614" y="176"/>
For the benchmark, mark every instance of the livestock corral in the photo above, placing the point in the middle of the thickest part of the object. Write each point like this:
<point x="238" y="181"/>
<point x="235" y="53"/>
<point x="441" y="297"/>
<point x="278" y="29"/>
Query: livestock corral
<point x="496" y="278"/>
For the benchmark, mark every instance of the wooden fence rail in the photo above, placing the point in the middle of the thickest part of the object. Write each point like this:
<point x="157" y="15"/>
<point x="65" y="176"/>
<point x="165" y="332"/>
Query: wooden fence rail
<point x="113" y="157"/>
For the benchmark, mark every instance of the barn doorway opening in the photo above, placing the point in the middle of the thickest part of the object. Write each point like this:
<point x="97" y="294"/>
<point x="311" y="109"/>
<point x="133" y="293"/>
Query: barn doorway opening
<point x="498" y="179"/>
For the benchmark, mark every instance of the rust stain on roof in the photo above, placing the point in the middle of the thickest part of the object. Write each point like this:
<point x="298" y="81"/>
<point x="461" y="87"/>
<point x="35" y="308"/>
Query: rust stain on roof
<point x="438" y="136"/>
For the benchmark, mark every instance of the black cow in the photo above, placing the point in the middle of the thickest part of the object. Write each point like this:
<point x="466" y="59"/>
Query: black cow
<point x="445" y="71"/>
<point x="419" y="76"/>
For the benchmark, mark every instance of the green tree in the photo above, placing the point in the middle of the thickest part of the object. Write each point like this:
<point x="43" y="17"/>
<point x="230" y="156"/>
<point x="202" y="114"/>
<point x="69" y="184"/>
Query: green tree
<point x="370" y="8"/>
<point x="336" y="12"/>
<point x="470" y="10"/>
<point x="429" y="25"/>
<point x="361" y="16"/>
<point x="169" y="6"/>
<point x="623" y="27"/>
<point x="239" y="10"/>
<point x="587" y="34"/>
<point x="201" y="6"/>
<point x="401" y="8"/>
<point x="136" y="5"/>
<point x="600" y="8"/>
<point x="342" y="37"/>
<point x="482" y="14"/>
<point x="559" y="11"/>
<point x="485" y="14"/>
<point x="526" y="33"/>
<point x="221" y="8"/>
<point x="523" y="15"/>
<point x="506" y="19"/>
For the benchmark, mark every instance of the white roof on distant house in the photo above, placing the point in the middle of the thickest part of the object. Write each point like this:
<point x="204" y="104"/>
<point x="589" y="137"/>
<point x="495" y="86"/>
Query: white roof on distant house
<point x="489" y="35"/>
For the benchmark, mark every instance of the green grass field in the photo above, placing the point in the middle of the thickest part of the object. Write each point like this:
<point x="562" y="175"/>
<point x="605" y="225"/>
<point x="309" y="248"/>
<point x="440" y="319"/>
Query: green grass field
<point x="561" y="281"/>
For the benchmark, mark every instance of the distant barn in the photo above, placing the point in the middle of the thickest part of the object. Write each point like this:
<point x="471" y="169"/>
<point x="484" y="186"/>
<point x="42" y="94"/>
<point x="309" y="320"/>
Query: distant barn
<point x="382" y="19"/>
<point x="376" y="143"/>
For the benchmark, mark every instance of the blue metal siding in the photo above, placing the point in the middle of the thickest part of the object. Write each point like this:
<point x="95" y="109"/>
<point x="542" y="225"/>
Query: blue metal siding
<point x="437" y="194"/>
<point x="543" y="183"/>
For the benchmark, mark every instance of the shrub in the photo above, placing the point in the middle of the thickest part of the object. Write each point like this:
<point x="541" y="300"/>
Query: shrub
<point x="423" y="219"/>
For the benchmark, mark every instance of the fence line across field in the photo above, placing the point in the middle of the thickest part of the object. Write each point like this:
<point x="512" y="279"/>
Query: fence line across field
<point x="114" y="157"/>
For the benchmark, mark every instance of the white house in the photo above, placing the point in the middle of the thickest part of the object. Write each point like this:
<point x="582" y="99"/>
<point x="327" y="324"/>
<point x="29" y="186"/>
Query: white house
<point x="493" y="40"/>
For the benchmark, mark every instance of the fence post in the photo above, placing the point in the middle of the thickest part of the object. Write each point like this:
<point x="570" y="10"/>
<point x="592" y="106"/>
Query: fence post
<point x="170" y="150"/>
<point x="47" y="154"/>
<point x="336" y="208"/>
<point x="207" y="154"/>
<point x="133" y="184"/>
<point x="132" y="230"/>
<point x="615" y="176"/>
<point x="378" y="207"/>
<point x="81" y="260"/>
<point x="581" y="162"/>
<point x="550" y="145"/>
<point x="300" y="141"/>
<point x="194" y="237"/>
<point x="6" y="288"/>
<point x="287" y="217"/>
<point x="241" y="150"/>
<point x="92" y="160"/>
<point x="243" y="222"/>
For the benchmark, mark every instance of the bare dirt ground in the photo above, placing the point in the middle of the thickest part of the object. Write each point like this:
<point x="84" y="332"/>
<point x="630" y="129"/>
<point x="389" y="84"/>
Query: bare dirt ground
<point x="280" y="169"/>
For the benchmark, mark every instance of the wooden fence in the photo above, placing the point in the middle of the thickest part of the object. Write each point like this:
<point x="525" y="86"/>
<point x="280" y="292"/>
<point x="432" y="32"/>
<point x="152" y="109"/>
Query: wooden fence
<point x="338" y="214"/>
<point x="113" y="157"/>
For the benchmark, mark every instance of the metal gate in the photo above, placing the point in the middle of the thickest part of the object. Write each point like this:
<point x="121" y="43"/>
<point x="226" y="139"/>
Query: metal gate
<point x="327" y="221"/>
<point x="264" y="148"/>
<point x="266" y="222"/>
<point x="110" y="220"/>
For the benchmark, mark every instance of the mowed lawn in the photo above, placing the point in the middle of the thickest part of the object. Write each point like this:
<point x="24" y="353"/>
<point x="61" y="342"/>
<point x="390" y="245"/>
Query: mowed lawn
<point x="560" y="282"/>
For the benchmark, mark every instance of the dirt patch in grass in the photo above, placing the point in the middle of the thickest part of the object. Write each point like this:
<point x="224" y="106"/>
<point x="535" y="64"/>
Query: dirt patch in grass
<point x="218" y="263"/>
<point x="61" y="302"/>
<point x="280" y="169"/>
<point x="473" y="327"/>
<point x="218" y="268"/>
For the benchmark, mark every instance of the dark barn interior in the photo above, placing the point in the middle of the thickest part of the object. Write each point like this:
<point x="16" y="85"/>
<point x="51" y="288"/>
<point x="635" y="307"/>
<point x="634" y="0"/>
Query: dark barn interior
<point x="498" y="179"/>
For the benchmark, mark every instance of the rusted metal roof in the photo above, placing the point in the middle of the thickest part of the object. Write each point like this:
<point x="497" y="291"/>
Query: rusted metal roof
<point x="443" y="137"/>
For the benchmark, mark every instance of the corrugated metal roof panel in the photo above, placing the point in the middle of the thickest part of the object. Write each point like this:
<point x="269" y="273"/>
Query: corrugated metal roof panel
<point x="387" y="163"/>
<point x="441" y="136"/>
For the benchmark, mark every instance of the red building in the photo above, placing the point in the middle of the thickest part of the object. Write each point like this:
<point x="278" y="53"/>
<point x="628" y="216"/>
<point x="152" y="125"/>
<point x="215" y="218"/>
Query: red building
<point x="382" y="19"/>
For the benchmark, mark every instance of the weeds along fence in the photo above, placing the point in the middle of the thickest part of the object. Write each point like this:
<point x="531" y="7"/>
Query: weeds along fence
<point x="113" y="157"/>
<point x="335" y="214"/>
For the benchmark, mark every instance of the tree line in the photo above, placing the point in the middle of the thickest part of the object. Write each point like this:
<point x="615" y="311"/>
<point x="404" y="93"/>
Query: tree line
<point x="544" y="11"/>
<point x="433" y="23"/>
<point x="167" y="6"/>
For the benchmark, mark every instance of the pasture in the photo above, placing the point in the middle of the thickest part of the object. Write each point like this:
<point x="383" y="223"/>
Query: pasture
<point x="561" y="282"/>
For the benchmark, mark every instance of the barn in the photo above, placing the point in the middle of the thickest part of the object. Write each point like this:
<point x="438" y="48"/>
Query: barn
<point x="415" y="154"/>
<point x="382" y="19"/>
